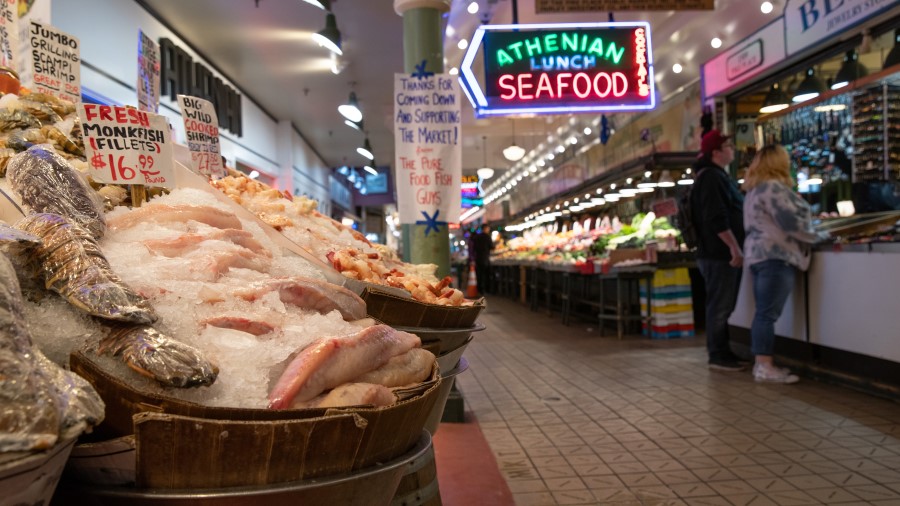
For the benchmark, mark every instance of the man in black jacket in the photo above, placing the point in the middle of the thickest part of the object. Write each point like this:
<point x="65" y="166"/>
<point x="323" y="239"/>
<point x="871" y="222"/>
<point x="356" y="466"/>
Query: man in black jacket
<point x="717" y="207"/>
<point x="482" y="245"/>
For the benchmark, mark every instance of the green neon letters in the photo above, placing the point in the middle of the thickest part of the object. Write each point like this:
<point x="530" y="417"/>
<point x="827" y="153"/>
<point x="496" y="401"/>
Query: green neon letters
<point x="563" y="42"/>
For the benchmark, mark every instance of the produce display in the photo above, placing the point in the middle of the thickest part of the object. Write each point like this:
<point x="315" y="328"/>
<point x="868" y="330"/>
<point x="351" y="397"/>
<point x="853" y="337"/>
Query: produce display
<point x="348" y="251"/>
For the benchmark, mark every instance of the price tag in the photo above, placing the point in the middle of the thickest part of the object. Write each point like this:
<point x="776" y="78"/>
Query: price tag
<point x="9" y="33"/>
<point x="201" y="126"/>
<point x="665" y="207"/>
<point x="127" y="146"/>
<point x="148" y="73"/>
<point x="55" y="62"/>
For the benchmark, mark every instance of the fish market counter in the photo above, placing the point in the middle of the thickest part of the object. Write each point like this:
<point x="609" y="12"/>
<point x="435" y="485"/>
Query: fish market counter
<point x="842" y="321"/>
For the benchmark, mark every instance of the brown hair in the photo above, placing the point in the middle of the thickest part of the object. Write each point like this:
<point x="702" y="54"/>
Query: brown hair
<point x="771" y="163"/>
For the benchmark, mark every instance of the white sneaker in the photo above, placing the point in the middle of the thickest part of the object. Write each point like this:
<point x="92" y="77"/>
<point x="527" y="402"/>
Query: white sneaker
<point x="772" y="374"/>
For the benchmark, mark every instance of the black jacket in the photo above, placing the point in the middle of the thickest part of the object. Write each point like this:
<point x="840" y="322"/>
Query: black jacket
<point x="717" y="205"/>
<point x="482" y="246"/>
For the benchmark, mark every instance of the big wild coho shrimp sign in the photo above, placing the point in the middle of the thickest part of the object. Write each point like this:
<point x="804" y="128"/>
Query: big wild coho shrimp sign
<point x="428" y="155"/>
<point x="54" y="63"/>
<point x="126" y="146"/>
<point x="202" y="132"/>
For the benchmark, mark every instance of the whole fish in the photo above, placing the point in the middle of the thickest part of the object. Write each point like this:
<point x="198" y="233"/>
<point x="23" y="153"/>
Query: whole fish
<point x="46" y="183"/>
<point x="71" y="264"/>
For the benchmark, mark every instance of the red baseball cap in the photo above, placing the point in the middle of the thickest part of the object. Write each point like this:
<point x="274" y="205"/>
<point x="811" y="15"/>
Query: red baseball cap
<point x="712" y="141"/>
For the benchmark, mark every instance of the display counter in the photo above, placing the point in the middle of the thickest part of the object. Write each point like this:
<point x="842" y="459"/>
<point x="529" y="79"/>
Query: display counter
<point x="841" y="320"/>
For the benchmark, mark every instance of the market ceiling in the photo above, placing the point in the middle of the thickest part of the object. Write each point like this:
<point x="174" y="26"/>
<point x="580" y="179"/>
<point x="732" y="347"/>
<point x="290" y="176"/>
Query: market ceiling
<point x="266" y="48"/>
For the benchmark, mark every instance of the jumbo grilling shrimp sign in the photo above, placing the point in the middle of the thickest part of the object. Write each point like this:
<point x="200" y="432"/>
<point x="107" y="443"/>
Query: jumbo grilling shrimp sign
<point x="561" y="68"/>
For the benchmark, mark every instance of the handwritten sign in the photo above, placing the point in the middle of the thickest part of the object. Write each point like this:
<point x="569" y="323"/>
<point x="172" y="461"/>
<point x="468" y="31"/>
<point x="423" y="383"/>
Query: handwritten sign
<point x="9" y="33"/>
<point x="55" y="62"/>
<point x="127" y="146"/>
<point x="428" y="155"/>
<point x="148" y="74"/>
<point x="201" y="128"/>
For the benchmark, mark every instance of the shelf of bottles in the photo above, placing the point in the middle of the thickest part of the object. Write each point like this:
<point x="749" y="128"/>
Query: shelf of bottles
<point x="876" y="133"/>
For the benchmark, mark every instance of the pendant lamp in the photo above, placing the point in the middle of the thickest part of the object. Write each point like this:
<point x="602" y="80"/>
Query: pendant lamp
<point x="366" y="150"/>
<point x="850" y="71"/>
<point x="350" y="110"/>
<point x="329" y="37"/>
<point x="484" y="172"/>
<point x="811" y="87"/>
<point x="775" y="100"/>
<point x="514" y="152"/>
<point x="665" y="180"/>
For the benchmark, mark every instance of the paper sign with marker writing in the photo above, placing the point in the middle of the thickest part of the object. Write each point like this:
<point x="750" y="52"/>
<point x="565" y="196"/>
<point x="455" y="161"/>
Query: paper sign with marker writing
<point x="428" y="153"/>
<point x="9" y="33"/>
<point x="148" y="73"/>
<point x="55" y="63"/>
<point x="126" y="146"/>
<point x="201" y="127"/>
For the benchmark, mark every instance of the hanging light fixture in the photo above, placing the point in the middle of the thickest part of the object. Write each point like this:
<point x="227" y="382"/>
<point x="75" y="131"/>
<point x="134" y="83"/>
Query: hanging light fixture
<point x="665" y="180"/>
<point x="850" y="71"/>
<point x="350" y="110"/>
<point x="647" y="181"/>
<point x="484" y="172"/>
<point x="775" y="100"/>
<point x="318" y="3"/>
<point x="366" y="150"/>
<point x="893" y="58"/>
<point x="811" y="87"/>
<point x="354" y="125"/>
<point x="370" y="168"/>
<point x="514" y="152"/>
<point x="686" y="179"/>
<point x="329" y="37"/>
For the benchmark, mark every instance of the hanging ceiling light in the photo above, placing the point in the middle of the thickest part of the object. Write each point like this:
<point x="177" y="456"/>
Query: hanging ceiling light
<point x="686" y="179"/>
<point x="484" y="172"/>
<point x="318" y="3"/>
<point x="893" y="58"/>
<point x="514" y="152"/>
<point x="366" y="150"/>
<point x="371" y="169"/>
<point x="775" y="100"/>
<point x="329" y="37"/>
<point x="665" y="180"/>
<point x="647" y="181"/>
<point x="811" y="87"/>
<point x="851" y="70"/>
<point x="350" y="110"/>
<point x="354" y="125"/>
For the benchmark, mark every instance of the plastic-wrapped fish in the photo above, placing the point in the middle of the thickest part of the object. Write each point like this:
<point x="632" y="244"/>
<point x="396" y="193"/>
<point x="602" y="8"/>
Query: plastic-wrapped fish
<point x="46" y="183"/>
<point x="71" y="264"/>
<point x="158" y="356"/>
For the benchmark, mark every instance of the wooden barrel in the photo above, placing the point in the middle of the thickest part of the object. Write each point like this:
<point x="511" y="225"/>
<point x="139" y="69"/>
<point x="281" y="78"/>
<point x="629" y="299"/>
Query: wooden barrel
<point x="419" y="486"/>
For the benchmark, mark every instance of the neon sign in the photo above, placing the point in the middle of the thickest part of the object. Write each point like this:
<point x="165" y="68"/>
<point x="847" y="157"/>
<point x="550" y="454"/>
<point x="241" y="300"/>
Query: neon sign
<point x="560" y="68"/>
<point x="472" y="192"/>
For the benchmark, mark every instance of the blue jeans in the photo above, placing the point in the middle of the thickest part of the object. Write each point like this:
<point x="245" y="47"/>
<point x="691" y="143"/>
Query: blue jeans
<point x="773" y="281"/>
<point x="722" y="282"/>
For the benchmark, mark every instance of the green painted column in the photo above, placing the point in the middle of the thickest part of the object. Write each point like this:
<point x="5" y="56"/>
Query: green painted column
<point x="423" y="40"/>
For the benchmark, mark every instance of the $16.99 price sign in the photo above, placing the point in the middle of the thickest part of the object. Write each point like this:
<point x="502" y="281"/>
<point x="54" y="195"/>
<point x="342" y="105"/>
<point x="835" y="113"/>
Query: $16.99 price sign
<point x="127" y="146"/>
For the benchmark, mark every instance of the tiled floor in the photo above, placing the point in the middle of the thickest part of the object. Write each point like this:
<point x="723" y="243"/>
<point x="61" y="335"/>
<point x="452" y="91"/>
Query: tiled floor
<point x="575" y="418"/>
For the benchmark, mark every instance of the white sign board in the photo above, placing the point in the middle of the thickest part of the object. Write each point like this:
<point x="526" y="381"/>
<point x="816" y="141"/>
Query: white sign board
<point x="201" y="127"/>
<point x="428" y="154"/>
<point x="753" y="55"/>
<point x="809" y="22"/>
<point x="54" y="63"/>
<point x="28" y="11"/>
<point x="9" y="33"/>
<point x="148" y="74"/>
<point x="127" y="146"/>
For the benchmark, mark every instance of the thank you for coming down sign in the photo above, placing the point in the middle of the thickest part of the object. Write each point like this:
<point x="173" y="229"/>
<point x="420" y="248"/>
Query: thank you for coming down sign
<point x="55" y="62"/>
<point x="9" y="33"/>
<point x="126" y="146"/>
<point x="561" y="68"/>
<point x="202" y="132"/>
<point x="428" y="156"/>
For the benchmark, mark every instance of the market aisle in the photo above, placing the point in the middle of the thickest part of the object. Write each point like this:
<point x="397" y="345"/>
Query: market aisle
<point x="574" y="418"/>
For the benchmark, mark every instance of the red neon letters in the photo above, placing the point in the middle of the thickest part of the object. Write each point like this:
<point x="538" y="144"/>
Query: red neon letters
<point x="640" y="47"/>
<point x="518" y="87"/>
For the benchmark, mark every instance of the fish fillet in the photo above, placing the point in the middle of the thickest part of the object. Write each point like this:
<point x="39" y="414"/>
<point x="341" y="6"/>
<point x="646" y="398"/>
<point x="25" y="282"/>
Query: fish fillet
<point x="242" y="323"/>
<point x="352" y="394"/>
<point x="186" y="243"/>
<point x="320" y="296"/>
<point x="163" y="213"/>
<point x="414" y="366"/>
<point x="333" y="361"/>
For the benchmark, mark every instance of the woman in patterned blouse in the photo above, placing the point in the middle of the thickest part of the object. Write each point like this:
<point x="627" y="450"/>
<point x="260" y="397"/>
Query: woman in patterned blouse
<point x="779" y="233"/>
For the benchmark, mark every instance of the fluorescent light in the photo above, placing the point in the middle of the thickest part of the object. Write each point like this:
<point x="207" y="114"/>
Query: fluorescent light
<point x="773" y="108"/>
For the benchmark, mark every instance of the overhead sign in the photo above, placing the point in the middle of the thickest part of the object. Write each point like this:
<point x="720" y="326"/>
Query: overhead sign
<point x="54" y="60"/>
<point x="428" y="154"/>
<point x="561" y="68"/>
<point x="202" y="132"/>
<point x="471" y="191"/>
<point x="126" y="146"/>
<point x="753" y="55"/>
<point x="554" y="6"/>
<point x="808" y="22"/>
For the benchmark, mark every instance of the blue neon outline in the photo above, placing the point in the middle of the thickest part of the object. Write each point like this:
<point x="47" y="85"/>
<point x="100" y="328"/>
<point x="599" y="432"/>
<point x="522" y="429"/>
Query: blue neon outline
<point x="482" y="108"/>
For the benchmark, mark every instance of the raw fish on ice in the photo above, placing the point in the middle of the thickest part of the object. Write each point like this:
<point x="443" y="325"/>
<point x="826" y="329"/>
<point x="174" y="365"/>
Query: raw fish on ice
<point x="46" y="183"/>
<point x="71" y="264"/>
<point x="414" y="366"/>
<point x="319" y="296"/>
<point x="331" y="362"/>
<point x="352" y="394"/>
<point x="186" y="243"/>
<point x="164" y="213"/>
